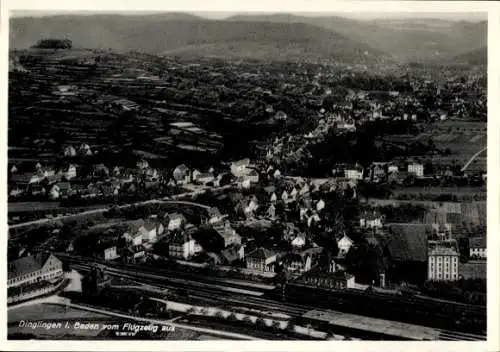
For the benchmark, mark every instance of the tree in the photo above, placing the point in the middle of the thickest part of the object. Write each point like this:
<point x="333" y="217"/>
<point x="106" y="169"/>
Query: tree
<point x="232" y="317"/>
<point x="260" y="323"/>
<point x="276" y="325"/>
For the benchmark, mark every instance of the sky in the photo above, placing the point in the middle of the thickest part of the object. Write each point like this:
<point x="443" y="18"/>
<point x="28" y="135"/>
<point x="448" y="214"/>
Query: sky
<point x="455" y="16"/>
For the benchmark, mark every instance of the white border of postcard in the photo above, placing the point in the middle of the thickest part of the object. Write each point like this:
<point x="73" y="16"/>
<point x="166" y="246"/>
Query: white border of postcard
<point x="318" y="6"/>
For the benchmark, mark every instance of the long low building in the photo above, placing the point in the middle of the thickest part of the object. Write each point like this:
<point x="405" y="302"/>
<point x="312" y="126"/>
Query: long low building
<point x="32" y="276"/>
<point x="33" y="268"/>
<point x="372" y="328"/>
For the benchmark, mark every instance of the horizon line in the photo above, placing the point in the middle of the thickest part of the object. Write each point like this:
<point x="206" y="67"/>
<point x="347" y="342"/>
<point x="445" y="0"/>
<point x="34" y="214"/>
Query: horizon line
<point x="470" y="17"/>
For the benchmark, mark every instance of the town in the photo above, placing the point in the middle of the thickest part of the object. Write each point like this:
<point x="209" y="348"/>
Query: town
<point x="227" y="193"/>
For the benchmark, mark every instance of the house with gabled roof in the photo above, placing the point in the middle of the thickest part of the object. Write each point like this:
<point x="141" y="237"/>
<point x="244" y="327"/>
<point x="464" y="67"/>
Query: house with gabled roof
<point x="174" y="221"/>
<point x="239" y="167"/>
<point x="34" y="268"/>
<point x="182" y="174"/>
<point x="233" y="254"/>
<point x="151" y="230"/>
<point x="261" y="259"/>
<point x="477" y="247"/>
<point x="227" y="234"/>
<point x="371" y="220"/>
<point x="132" y="235"/>
<point x="214" y="215"/>
<point x="344" y="244"/>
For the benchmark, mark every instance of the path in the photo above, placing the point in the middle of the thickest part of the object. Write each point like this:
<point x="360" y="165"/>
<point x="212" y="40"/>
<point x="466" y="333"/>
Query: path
<point x="102" y="210"/>
<point x="472" y="159"/>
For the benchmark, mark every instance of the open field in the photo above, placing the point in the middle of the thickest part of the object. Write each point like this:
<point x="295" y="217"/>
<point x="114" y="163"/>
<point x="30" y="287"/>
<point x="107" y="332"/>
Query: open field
<point x="460" y="137"/>
<point x="473" y="270"/>
<point x="458" y="191"/>
<point x="16" y="207"/>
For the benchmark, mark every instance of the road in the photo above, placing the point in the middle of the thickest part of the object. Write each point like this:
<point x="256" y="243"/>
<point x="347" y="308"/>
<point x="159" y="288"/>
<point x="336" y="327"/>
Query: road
<point x="163" y="200"/>
<point x="473" y="158"/>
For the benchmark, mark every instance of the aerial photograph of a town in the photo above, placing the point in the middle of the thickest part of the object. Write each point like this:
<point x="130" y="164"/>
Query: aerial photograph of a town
<point x="247" y="176"/>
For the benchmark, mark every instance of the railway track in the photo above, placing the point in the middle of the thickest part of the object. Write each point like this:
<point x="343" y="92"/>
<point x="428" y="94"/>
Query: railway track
<point x="218" y="294"/>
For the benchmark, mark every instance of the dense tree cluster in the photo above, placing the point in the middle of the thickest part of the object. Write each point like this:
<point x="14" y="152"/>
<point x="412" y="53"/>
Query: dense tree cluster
<point x="54" y="44"/>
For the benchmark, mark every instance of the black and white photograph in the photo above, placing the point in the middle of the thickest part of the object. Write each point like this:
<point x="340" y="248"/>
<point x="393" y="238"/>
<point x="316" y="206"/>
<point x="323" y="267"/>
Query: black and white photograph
<point x="247" y="175"/>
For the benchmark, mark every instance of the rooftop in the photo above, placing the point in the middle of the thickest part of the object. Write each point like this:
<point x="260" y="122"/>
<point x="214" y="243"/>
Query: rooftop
<point x="261" y="253"/>
<point x="27" y="265"/>
<point x="387" y="327"/>
<point x="477" y="242"/>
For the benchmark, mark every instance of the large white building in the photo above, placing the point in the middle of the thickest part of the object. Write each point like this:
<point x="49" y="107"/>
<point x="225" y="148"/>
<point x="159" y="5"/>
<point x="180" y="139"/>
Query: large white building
<point x="443" y="259"/>
<point x="416" y="169"/>
<point x="183" y="248"/>
<point x="354" y="173"/>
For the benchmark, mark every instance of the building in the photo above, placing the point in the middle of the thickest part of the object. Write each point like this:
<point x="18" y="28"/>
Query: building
<point x="151" y="229"/>
<point x="299" y="241"/>
<point x="233" y="254"/>
<point x="182" y="174"/>
<point x="85" y="150"/>
<point x="252" y="176"/>
<point x="298" y="262"/>
<point x="320" y="205"/>
<point x="132" y="235"/>
<point x="336" y="280"/>
<point x="261" y="259"/>
<point x="227" y="234"/>
<point x="239" y="168"/>
<point x="346" y="127"/>
<point x="60" y="190"/>
<point x="416" y="169"/>
<point x="443" y="260"/>
<point x="345" y="243"/>
<point x="110" y="253"/>
<point x="33" y="269"/>
<point x="142" y="164"/>
<point x="205" y="178"/>
<point x="182" y="246"/>
<point x="353" y="172"/>
<point x="378" y="170"/>
<point x="174" y="221"/>
<point x="70" y="173"/>
<point x="371" y="220"/>
<point x="477" y="247"/>
<point x="392" y="168"/>
<point x="134" y="254"/>
<point x="69" y="151"/>
<point x="214" y="215"/>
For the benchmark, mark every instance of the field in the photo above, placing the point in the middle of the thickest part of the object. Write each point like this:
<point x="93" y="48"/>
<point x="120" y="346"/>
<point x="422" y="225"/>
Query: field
<point x="472" y="270"/>
<point x="17" y="207"/>
<point x="461" y="138"/>
<point x="427" y="192"/>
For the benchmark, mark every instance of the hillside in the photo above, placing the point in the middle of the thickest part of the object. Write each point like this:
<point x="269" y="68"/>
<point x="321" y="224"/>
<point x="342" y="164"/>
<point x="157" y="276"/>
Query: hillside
<point x="475" y="57"/>
<point x="412" y="39"/>
<point x="194" y="36"/>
